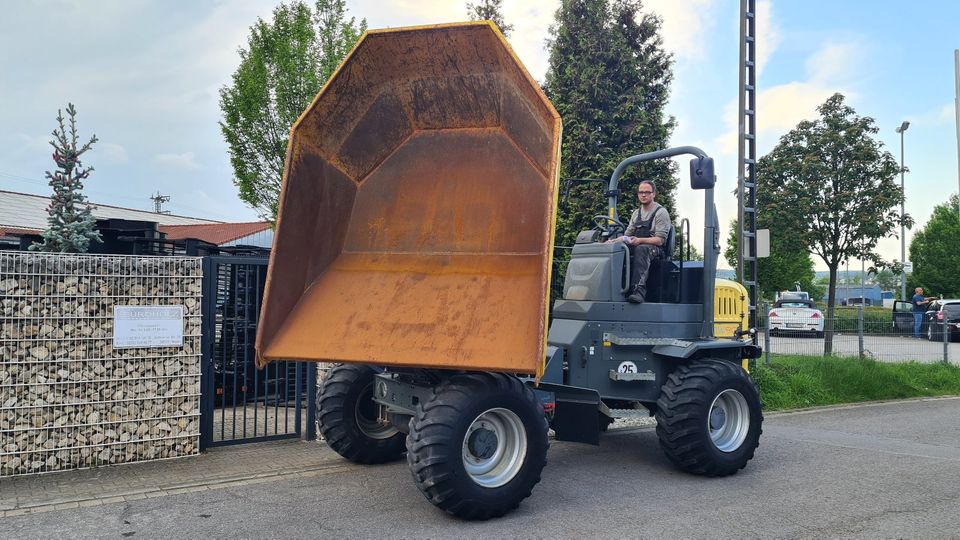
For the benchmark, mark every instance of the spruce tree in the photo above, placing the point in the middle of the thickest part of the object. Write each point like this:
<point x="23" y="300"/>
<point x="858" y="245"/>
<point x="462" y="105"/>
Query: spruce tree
<point x="70" y="222"/>
<point x="489" y="10"/>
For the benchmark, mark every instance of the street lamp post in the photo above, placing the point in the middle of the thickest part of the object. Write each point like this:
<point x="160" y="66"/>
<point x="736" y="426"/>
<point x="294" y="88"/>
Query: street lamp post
<point x="903" y="230"/>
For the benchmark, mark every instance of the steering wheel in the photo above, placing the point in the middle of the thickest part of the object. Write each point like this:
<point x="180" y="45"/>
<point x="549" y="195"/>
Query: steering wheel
<point x="606" y="222"/>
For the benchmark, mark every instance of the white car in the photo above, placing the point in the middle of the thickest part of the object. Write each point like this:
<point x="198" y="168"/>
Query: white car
<point x="795" y="316"/>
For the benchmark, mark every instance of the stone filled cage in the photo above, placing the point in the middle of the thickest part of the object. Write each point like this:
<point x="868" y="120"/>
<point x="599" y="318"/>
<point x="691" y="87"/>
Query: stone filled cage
<point x="68" y="398"/>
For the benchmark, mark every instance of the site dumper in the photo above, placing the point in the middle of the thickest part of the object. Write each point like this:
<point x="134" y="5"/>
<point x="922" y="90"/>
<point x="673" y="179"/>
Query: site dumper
<point x="413" y="247"/>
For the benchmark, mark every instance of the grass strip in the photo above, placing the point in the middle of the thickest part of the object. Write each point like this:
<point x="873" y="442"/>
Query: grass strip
<point x="794" y="382"/>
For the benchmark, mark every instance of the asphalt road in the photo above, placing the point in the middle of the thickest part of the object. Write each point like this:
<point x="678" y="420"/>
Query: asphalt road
<point x="890" y="470"/>
<point x="887" y="348"/>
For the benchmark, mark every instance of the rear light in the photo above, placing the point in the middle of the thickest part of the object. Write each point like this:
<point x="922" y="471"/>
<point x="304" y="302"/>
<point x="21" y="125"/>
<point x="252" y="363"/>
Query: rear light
<point x="774" y="314"/>
<point x="815" y="315"/>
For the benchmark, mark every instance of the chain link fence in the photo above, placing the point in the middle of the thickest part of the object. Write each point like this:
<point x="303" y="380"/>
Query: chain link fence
<point x="876" y="334"/>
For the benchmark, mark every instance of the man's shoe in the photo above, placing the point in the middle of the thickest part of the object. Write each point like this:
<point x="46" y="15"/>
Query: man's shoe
<point x="635" y="298"/>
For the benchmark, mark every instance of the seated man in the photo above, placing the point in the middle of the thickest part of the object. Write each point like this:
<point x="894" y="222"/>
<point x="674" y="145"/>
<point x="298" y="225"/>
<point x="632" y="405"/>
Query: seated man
<point x="646" y="235"/>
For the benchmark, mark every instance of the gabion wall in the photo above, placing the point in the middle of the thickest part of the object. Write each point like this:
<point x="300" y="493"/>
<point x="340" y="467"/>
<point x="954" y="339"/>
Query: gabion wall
<point x="68" y="400"/>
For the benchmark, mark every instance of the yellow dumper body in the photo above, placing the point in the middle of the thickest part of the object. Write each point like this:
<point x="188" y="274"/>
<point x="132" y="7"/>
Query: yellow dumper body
<point x="417" y="211"/>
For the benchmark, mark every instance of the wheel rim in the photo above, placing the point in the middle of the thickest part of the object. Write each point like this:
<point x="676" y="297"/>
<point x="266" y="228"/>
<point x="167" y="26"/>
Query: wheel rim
<point x="729" y="420"/>
<point x="494" y="448"/>
<point x="367" y="415"/>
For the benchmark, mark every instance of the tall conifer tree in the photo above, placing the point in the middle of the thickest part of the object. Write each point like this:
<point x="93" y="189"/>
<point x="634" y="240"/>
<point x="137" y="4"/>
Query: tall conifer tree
<point x="70" y="221"/>
<point x="609" y="78"/>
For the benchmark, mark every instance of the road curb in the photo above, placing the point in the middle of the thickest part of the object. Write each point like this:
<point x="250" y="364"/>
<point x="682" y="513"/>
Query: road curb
<point x="810" y="410"/>
<point x="129" y="495"/>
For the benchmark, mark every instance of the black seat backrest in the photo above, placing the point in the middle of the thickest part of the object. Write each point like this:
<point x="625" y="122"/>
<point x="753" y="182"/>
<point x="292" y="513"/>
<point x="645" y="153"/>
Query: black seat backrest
<point x="670" y="244"/>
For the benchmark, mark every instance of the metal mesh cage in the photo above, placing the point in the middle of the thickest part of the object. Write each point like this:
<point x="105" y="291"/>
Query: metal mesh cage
<point x="68" y="398"/>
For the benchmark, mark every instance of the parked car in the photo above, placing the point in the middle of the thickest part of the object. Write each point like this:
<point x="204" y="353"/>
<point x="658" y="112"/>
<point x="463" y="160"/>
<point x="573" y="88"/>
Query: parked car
<point x="795" y="316"/>
<point x="856" y="301"/>
<point x="941" y="311"/>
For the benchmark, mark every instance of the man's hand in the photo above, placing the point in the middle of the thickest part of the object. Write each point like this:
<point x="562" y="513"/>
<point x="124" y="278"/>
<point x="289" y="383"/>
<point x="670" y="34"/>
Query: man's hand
<point x="628" y="240"/>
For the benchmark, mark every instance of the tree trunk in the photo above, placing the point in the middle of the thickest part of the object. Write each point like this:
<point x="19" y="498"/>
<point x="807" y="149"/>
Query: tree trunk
<point x="831" y="302"/>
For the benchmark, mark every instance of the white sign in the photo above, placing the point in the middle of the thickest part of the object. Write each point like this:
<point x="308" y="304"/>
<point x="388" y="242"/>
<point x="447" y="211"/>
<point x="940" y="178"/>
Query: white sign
<point x="763" y="244"/>
<point x="627" y="367"/>
<point x="147" y="326"/>
<point x="908" y="267"/>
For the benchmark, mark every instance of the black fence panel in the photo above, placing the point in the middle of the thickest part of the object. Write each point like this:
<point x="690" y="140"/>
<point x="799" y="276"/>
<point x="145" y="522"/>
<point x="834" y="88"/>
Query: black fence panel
<point x="241" y="403"/>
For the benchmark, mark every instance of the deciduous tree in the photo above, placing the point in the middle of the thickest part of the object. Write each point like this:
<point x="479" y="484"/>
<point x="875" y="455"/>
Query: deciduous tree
<point x="789" y="262"/>
<point x="286" y="62"/>
<point x="489" y="10"/>
<point x="935" y="251"/>
<point x="835" y="188"/>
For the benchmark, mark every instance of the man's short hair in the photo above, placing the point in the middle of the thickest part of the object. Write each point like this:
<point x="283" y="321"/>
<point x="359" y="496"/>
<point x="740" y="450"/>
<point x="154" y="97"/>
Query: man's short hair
<point x="653" y="187"/>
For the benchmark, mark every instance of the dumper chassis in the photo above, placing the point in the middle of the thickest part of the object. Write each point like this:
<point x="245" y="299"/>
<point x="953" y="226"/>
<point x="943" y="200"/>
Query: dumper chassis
<point x="476" y="442"/>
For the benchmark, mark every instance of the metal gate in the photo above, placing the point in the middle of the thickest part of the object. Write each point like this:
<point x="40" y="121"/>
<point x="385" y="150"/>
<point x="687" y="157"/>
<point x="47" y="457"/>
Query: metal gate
<point x="241" y="403"/>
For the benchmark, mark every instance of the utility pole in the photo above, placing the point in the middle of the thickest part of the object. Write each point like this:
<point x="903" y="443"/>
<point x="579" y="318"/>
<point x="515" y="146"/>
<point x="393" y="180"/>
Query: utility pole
<point x="956" y="108"/>
<point x="158" y="201"/>
<point x="747" y="164"/>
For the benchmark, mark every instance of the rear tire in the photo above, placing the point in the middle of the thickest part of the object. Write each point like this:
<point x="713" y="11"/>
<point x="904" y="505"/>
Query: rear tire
<point x="709" y="418"/>
<point x="350" y="419"/>
<point x="931" y="336"/>
<point x="478" y="446"/>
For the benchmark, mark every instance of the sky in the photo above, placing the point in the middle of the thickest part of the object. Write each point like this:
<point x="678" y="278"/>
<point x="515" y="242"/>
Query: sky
<point x="145" y="76"/>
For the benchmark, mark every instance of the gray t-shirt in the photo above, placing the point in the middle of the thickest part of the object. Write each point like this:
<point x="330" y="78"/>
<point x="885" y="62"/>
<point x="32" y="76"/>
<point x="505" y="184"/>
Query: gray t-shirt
<point x="661" y="223"/>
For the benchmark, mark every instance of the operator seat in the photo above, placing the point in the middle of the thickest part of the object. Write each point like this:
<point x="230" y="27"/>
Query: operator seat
<point x="663" y="277"/>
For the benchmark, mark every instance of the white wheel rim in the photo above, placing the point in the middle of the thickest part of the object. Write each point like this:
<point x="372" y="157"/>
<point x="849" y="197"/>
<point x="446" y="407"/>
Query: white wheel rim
<point x="367" y="414"/>
<point x="494" y="447"/>
<point x="728" y="420"/>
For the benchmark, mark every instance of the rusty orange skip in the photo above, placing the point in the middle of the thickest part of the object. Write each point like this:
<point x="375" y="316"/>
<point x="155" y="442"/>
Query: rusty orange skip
<point x="418" y="208"/>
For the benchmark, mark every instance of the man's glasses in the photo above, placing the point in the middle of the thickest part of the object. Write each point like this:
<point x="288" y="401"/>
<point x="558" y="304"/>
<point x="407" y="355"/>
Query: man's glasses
<point x="644" y="193"/>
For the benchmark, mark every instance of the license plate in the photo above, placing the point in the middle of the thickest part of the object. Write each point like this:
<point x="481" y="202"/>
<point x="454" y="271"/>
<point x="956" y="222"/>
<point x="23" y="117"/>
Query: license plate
<point x="794" y="325"/>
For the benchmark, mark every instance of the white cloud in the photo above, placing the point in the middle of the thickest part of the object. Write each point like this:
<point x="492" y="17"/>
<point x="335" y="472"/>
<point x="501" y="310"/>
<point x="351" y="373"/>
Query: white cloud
<point x="935" y="117"/>
<point x="185" y="161"/>
<point x="835" y="62"/>
<point x="684" y="25"/>
<point x="830" y="69"/>
<point x="113" y="152"/>
<point x="768" y="34"/>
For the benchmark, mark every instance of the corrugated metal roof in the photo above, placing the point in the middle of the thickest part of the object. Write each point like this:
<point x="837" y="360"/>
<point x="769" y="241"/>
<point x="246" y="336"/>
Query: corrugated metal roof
<point x="216" y="233"/>
<point x="24" y="211"/>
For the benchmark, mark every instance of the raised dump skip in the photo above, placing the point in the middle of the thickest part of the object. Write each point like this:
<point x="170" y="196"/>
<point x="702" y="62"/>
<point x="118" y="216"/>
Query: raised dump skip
<point x="417" y="212"/>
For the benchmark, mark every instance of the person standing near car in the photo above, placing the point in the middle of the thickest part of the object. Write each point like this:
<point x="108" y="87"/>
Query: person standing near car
<point x="920" y="304"/>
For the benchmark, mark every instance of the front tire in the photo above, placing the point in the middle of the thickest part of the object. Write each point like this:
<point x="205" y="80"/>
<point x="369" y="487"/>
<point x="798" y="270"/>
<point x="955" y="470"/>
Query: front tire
<point x="709" y="418"/>
<point x="477" y="447"/>
<point x="350" y="419"/>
